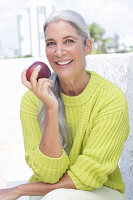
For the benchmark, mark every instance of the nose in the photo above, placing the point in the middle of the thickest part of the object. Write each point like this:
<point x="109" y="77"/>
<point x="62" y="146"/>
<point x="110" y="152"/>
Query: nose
<point x="59" y="51"/>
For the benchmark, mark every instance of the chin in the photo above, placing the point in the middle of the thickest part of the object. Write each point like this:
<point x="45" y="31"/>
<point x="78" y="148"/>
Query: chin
<point x="64" y="73"/>
<point x="62" y="76"/>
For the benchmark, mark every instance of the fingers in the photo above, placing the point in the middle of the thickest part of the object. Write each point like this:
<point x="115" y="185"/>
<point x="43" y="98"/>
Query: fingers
<point x="32" y="83"/>
<point x="35" y="85"/>
<point x="44" y="81"/>
<point x="24" y="80"/>
<point x="33" y="78"/>
<point x="43" y="84"/>
<point x="43" y="91"/>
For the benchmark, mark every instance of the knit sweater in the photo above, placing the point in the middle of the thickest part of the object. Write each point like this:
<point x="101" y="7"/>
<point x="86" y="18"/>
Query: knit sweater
<point x="99" y="122"/>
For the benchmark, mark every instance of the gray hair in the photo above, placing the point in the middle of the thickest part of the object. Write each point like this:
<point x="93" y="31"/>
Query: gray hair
<point x="77" y="21"/>
<point x="65" y="134"/>
<point x="72" y="17"/>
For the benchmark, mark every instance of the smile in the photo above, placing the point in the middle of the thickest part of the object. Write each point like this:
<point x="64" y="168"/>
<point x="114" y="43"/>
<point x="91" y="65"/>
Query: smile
<point x="63" y="63"/>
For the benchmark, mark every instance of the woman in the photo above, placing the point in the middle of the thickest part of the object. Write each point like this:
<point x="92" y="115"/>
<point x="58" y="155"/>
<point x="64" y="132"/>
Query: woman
<point x="74" y="124"/>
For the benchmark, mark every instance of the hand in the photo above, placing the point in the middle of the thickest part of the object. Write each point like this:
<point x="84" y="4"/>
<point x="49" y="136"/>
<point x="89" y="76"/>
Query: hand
<point x="8" y="194"/>
<point x="41" y="89"/>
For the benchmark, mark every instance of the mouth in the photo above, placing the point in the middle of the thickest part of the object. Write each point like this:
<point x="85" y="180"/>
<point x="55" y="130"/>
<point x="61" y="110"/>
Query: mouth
<point x="64" y="63"/>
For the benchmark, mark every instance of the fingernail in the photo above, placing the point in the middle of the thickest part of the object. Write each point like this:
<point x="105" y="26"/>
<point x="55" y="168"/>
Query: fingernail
<point x="39" y="66"/>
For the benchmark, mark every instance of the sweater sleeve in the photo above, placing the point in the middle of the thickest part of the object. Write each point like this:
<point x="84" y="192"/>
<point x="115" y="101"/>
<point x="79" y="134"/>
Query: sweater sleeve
<point x="46" y="169"/>
<point x="101" y="153"/>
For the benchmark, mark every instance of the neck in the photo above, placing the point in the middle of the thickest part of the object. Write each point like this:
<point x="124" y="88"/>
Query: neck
<point x="76" y="86"/>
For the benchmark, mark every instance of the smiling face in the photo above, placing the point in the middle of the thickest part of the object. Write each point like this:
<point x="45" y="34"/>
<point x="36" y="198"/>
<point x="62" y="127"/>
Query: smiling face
<point x="65" y="50"/>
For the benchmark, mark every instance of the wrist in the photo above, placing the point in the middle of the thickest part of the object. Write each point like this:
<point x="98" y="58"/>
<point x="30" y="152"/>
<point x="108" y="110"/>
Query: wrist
<point x="17" y="191"/>
<point x="52" y="110"/>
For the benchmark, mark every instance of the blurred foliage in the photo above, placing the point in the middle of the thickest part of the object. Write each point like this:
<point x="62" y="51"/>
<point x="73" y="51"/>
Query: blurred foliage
<point x="25" y="56"/>
<point x="100" y="43"/>
<point x="104" y="45"/>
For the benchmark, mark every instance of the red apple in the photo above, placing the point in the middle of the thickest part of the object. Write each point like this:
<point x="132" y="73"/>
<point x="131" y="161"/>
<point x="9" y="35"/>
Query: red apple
<point x="43" y="73"/>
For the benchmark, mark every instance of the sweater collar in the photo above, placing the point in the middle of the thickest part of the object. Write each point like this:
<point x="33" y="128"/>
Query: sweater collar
<point x="85" y="95"/>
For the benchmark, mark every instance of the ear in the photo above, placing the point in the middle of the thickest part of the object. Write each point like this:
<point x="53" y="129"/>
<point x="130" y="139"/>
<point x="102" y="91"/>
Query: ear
<point x="88" y="46"/>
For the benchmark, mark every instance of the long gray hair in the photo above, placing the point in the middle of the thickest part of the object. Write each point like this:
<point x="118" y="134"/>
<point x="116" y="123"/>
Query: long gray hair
<point x="77" y="21"/>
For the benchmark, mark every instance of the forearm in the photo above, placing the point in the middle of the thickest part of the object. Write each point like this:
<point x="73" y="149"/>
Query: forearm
<point x="40" y="188"/>
<point x="50" y="144"/>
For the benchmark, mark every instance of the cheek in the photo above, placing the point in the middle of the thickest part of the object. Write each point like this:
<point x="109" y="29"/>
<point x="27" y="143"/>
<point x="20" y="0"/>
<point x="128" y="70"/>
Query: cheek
<point x="75" y="52"/>
<point x="49" y="55"/>
<point x="79" y="53"/>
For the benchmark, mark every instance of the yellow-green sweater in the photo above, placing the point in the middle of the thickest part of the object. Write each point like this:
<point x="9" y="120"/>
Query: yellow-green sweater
<point x="99" y="122"/>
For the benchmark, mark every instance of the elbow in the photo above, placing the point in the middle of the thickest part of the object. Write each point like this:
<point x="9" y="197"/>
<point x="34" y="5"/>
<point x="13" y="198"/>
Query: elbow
<point x="46" y="174"/>
<point x="49" y="176"/>
<point x="46" y="169"/>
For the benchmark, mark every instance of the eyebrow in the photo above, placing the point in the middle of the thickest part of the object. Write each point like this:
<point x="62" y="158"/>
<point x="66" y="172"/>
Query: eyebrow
<point x="69" y="36"/>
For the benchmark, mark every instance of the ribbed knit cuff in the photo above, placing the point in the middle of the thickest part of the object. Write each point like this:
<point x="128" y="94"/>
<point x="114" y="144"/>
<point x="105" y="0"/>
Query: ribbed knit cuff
<point x="47" y="169"/>
<point x="78" y="184"/>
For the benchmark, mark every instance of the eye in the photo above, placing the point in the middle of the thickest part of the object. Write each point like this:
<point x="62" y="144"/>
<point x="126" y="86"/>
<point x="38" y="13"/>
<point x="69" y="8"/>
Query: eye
<point x="69" y="41"/>
<point x="48" y="44"/>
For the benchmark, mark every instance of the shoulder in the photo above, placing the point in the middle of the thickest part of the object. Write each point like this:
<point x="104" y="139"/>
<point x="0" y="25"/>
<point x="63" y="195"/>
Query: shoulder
<point x="29" y="103"/>
<point x="108" y="93"/>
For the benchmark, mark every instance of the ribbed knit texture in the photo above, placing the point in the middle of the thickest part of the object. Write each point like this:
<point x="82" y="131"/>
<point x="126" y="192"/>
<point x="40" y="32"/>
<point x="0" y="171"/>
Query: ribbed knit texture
<point x="99" y="122"/>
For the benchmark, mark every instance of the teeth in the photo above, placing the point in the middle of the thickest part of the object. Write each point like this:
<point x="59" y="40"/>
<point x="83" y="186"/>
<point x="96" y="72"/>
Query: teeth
<point x="64" y="62"/>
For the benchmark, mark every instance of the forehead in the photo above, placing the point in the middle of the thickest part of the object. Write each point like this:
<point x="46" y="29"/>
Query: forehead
<point x="60" y="28"/>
